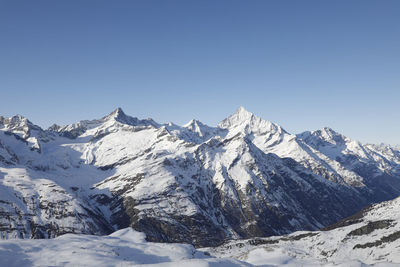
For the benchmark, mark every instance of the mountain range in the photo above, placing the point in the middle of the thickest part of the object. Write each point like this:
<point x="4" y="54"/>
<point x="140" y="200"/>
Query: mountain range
<point x="246" y="177"/>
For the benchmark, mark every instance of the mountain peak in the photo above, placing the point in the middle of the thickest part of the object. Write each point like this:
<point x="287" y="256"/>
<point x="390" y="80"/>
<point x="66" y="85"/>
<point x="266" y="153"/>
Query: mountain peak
<point x="324" y="135"/>
<point x="193" y="124"/>
<point x="117" y="113"/>
<point x="199" y="128"/>
<point x="246" y="122"/>
<point x="328" y="130"/>
<point x="243" y="113"/>
<point x="240" y="117"/>
<point x="329" y="134"/>
<point x="18" y="123"/>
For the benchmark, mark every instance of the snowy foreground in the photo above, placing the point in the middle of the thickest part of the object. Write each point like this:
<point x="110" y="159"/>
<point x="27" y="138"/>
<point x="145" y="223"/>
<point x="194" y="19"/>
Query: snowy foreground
<point x="127" y="247"/>
<point x="368" y="238"/>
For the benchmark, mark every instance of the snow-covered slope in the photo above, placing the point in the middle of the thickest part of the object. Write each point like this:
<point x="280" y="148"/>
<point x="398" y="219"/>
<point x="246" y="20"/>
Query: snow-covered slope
<point x="246" y="177"/>
<point x="368" y="238"/>
<point x="371" y="236"/>
<point x="125" y="247"/>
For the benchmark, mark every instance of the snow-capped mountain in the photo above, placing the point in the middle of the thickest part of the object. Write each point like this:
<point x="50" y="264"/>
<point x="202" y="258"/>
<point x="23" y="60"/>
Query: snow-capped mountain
<point x="372" y="236"/>
<point x="247" y="177"/>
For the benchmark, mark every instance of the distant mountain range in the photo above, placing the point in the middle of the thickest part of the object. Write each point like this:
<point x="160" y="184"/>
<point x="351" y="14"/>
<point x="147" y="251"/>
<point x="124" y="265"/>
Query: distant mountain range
<point x="198" y="184"/>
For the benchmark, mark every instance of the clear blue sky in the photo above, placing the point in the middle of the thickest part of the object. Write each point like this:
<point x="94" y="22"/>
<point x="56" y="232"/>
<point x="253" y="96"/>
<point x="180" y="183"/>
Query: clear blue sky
<point x="301" y="64"/>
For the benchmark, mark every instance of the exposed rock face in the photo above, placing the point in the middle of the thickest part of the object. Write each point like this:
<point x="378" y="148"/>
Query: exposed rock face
<point x="247" y="177"/>
<point x="35" y="207"/>
<point x="372" y="236"/>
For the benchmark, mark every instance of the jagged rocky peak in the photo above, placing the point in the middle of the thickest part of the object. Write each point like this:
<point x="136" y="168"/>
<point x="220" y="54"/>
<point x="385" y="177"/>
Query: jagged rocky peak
<point x="18" y="124"/>
<point x="116" y="117"/>
<point x="246" y="121"/>
<point x="15" y="121"/>
<point x="193" y="125"/>
<point x="196" y="126"/>
<point x="329" y="135"/>
<point x="54" y="128"/>
<point x="119" y="115"/>
<point x="325" y="134"/>
<point x="203" y="131"/>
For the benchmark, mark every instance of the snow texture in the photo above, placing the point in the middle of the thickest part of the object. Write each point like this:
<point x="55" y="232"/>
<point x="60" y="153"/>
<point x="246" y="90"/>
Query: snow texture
<point x="125" y="247"/>
<point x="371" y="237"/>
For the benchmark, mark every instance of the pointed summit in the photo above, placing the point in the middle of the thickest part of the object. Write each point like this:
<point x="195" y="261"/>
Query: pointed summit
<point x="198" y="127"/>
<point x="240" y="117"/>
<point x="329" y="131"/>
<point x="118" y="113"/>
<point x="245" y="121"/>
<point x="330" y="135"/>
<point x="193" y="124"/>
<point x="243" y="113"/>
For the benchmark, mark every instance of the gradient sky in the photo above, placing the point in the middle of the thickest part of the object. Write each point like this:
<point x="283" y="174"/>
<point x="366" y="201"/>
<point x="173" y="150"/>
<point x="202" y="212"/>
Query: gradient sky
<point x="301" y="64"/>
